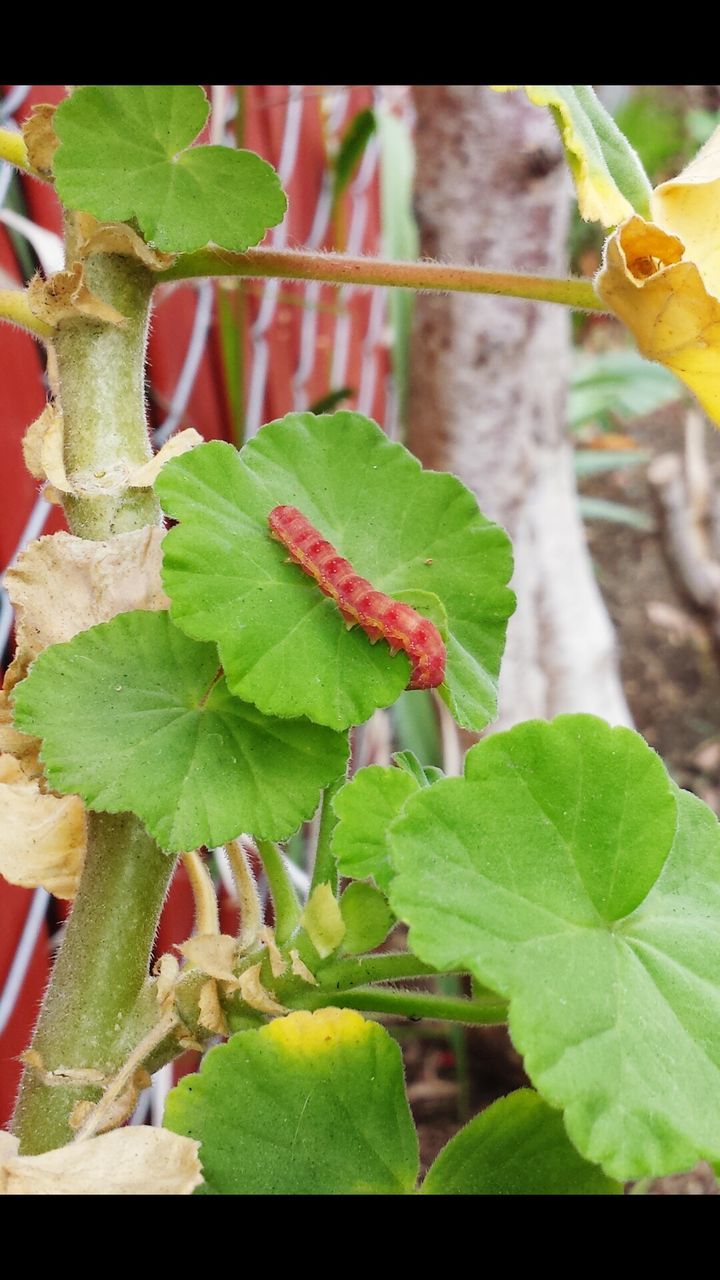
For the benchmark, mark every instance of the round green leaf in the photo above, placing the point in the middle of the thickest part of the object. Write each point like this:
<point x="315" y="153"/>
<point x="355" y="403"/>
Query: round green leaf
<point x="365" y="807"/>
<point x="367" y="916"/>
<point x="133" y="716"/>
<point x="605" y="941"/>
<point x="125" y="153"/>
<point x="312" y="1104"/>
<point x="517" y="1147"/>
<point x="285" y="646"/>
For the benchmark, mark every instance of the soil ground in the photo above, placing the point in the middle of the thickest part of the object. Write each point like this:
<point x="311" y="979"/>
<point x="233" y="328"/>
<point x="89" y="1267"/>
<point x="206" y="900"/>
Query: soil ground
<point x="670" y="666"/>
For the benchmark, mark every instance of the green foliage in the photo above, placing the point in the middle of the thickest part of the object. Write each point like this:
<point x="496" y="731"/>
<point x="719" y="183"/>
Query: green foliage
<point x="313" y="1104"/>
<point x="517" y="1147"/>
<point x="655" y="128"/>
<point x="350" y="152"/>
<point x="617" y="385"/>
<point x="125" y="154"/>
<point x="367" y="916"/>
<point x="567" y="873"/>
<point x="416" y="535"/>
<point x="365" y="807"/>
<point x="134" y="716"/>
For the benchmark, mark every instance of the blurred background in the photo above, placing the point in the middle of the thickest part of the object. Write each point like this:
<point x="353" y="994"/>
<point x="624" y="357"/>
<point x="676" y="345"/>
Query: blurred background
<point x="603" y="473"/>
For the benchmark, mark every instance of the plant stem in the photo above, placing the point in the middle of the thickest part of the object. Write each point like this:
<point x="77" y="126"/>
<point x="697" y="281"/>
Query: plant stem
<point x="14" y="308"/>
<point x="99" y="974"/>
<point x="382" y="966"/>
<point x="412" y="1004"/>
<point x="336" y="268"/>
<point x="325" y="869"/>
<point x="98" y="991"/>
<point x="13" y="149"/>
<point x="285" y="899"/>
<point x="102" y="392"/>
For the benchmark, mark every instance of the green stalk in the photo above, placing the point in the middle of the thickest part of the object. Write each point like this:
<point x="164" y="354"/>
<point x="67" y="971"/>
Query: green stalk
<point x="337" y="268"/>
<point x="412" y="1004"/>
<point x="325" y="869"/>
<point x="285" y="900"/>
<point x="380" y="966"/>
<point x="100" y="972"/>
<point x="96" y="1007"/>
<point x="101" y="370"/>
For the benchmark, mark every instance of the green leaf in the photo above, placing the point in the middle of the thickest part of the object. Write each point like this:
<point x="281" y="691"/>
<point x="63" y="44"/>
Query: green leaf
<point x="285" y="646"/>
<point x="367" y="916"/>
<point x="125" y="153"/>
<point x="134" y="717"/>
<point x="424" y="774"/>
<point x="517" y="1147"/>
<point x="598" y="462"/>
<point x="618" y="384"/>
<point x="350" y="153"/>
<point x="610" y="180"/>
<point x="554" y="872"/>
<point x="365" y="807"/>
<point x="615" y="512"/>
<point x="312" y="1104"/>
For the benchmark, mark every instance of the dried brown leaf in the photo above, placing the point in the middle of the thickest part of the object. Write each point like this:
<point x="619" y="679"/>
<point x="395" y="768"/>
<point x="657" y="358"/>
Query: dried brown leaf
<point x="138" y="1160"/>
<point x="117" y="237"/>
<point x="42" y="837"/>
<point x="211" y="1015"/>
<point x="65" y="296"/>
<point x="214" y="954"/>
<point x="41" y="139"/>
<point x="62" y="585"/>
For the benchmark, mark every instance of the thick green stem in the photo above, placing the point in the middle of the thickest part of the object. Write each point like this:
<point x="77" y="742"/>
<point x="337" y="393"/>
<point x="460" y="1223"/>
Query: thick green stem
<point x="99" y="975"/>
<point x="96" y="1008"/>
<point x="381" y="966"/>
<point x="101" y="370"/>
<point x="337" y="268"/>
<point x="285" y="899"/>
<point x="325" y="869"/>
<point x="411" y="1004"/>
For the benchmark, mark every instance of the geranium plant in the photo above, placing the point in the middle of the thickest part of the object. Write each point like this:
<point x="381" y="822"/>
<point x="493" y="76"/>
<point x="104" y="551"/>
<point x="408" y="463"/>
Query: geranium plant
<point x="174" y="691"/>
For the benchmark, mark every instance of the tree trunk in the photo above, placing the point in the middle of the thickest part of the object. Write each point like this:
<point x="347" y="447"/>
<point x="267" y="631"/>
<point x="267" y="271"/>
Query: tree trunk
<point x="488" y="386"/>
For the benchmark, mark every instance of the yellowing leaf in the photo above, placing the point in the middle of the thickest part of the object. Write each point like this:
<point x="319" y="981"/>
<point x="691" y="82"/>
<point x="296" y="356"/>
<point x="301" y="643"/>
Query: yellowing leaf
<point x="135" y="1161"/>
<point x="610" y="180"/>
<point x="62" y="585"/>
<point x="689" y="207"/>
<point x="664" y="302"/>
<point x="322" y="918"/>
<point x="42" y="837"/>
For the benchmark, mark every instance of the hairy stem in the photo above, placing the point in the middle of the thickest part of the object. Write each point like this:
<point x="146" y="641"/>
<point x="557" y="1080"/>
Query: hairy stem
<point x="412" y="1004"/>
<point x="99" y="974"/>
<point x="336" y="268"/>
<point x="381" y="966"/>
<point x="101" y="370"/>
<point x="285" y="900"/>
<point x="14" y="308"/>
<point x="13" y="149"/>
<point x="96" y="996"/>
<point x="325" y="869"/>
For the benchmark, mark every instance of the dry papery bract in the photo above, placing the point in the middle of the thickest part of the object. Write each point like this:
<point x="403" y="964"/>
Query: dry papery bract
<point x="42" y="837"/>
<point x="61" y="585"/>
<point x="116" y="237"/>
<point x="138" y="1160"/>
<point x="40" y="137"/>
<point x="43" y="448"/>
<point x="64" y="296"/>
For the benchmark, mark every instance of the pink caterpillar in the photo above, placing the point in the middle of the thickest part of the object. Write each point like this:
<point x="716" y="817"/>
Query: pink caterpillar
<point x="359" y="603"/>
